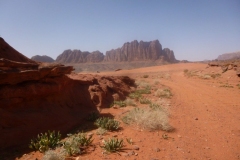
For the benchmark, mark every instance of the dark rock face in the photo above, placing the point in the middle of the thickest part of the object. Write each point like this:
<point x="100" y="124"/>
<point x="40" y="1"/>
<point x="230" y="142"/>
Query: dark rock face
<point x="43" y="58"/>
<point x="228" y="56"/>
<point x="76" y="56"/>
<point x="136" y="51"/>
<point x="169" y="55"/>
<point x="130" y="51"/>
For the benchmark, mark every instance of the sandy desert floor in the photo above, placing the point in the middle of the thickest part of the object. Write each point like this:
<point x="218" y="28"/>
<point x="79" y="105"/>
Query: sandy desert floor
<point x="204" y="113"/>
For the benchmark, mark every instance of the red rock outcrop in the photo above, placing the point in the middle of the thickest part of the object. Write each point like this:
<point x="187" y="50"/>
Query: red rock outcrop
<point x="35" y="98"/>
<point x="7" y="52"/>
<point x="43" y="58"/>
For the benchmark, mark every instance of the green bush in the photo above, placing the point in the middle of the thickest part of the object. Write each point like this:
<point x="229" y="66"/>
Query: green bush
<point x="46" y="141"/>
<point x="145" y="76"/>
<point x="73" y="143"/>
<point x="113" y="145"/>
<point x="144" y="101"/>
<point x="107" y="123"/>
<point x="119" y="103"/>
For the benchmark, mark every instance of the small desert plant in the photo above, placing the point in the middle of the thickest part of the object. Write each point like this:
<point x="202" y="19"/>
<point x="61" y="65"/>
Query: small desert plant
<point x="45" y="141"/>
<point x="145" y="76"/>
<point x="73" y="143"/>
<point x="144" y="101"/>
<point x="150" y="119"/>
<point x="130" y="102"/>
<point x="163" y="93"/>
<point x="154" y="106"/>
<point x="142" y="84"/>
<point x="119" y="103"/>
<point x="226" y="86"/>
<point x="129" y="140"/>
<point x="93" y="116"/>
<point x="107" y="123"/>
<point x="215" y="75"/>
<point x="156" y="82"/>
<point x="101" y="131"/>
<point x="238" y="86"/>
<point x="135" y="95"/>
<point x="185" y="71"/>
<point x="113" y="145"/>
<point x="53" y="155"/>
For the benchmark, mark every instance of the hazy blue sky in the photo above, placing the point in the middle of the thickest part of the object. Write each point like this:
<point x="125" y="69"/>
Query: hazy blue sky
<point x="193" y="29"/>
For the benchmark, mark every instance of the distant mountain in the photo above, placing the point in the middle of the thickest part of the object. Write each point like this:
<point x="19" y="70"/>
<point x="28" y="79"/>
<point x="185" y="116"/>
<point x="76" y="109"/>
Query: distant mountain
<point x="227" y="56"/>
<point x="43" y="58"/>
<point x="129" y="52"/>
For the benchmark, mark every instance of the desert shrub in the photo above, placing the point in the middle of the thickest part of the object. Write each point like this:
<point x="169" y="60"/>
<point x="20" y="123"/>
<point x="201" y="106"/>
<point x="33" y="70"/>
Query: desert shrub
<point x="226" y="86"/>
<point x="145" y="76"/>
<point x="185" y="70"/>
<point x="135" y="95"/>
<point x="93" y="116"/>
<point x="113" y="145"/>
<point x="142" y="84"/>
<point x="101" y="131"/>
<point x="205" y="76"/>
<point x="129" y="140"/>
<point x="107" y="123"/>
<point x="144" y="101"/>
<point x="119" y="103"/>
<point x="130" y="102"/>
<point x="238" y="86"/>
<point x="215" y="75"/>
<point x="163" y="93"/>
<point x="73" y="143"/>
<point x="46" y="141"/>
<point x="156" y="82"/>
<point x="149" y="119"/>
<point x="53" y="155"/>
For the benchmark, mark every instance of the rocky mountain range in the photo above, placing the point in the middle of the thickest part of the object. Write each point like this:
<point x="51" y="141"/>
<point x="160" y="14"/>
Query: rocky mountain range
<point x="43" y="58"/>
<point x="227" y="56"/>
<point x="129" y="52"/>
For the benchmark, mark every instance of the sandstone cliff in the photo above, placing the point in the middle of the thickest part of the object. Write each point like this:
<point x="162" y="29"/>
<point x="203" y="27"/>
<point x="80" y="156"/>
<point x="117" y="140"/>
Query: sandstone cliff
<point x="129" y="52"/>
<point x="36" y="97"/>
<point x="43" y="58"/>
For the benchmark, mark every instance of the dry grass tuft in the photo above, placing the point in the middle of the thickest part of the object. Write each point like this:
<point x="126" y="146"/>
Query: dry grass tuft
<point x="149" y="119"/>
<point x="163" y="93"/>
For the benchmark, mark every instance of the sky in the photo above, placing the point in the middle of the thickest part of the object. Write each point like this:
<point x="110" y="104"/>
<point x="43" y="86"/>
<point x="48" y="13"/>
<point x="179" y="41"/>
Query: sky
<point x="194" y="29"/>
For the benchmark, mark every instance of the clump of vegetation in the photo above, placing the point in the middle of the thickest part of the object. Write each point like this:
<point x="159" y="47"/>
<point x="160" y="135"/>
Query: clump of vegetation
<point x="129" y="140"/>
<point x="156" y="82"/>
<point x="135" y="95"/>
<point x="226" y="86"/>
<point x="142" y="84"/>
<point x="113" y="145"/>
<point x="53" y="155"/>
<point x="46" y="141"/>
<point x="238" y="86"/>
<point x="74" y="142"/>
<point x="130" y="102"/>
<point x="145" y="76"/>
<point x="101" y="131"/>
<point x="215" y="75"/>
<point x="107" y="123"/>
<point x="150" y="119"/>
<point x="163" y="93"/>
<point x="144" y="101"/>
<point x="119" y="103"/>
<point x="185" y="71"/>
<point x="93" y="116"/>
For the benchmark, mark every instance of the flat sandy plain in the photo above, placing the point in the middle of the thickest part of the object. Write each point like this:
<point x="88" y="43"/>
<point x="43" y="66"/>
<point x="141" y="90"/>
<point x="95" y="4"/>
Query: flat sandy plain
<point x="205" y="114"/>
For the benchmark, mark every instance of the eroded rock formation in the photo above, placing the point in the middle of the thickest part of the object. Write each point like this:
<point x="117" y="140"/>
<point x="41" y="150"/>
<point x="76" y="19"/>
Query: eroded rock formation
<point x="77" y="56"/>
<point x="228" y="56"/>
<point x="133" y="51"/>
<point x="36" y="97"/>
